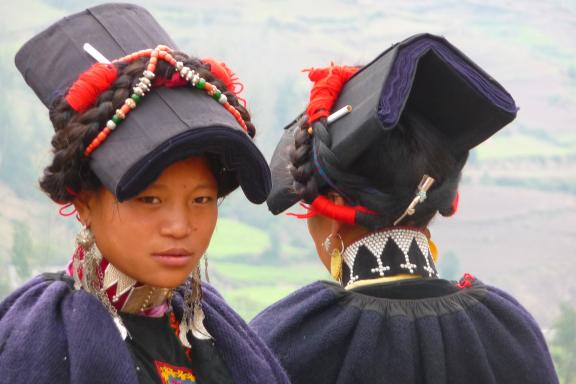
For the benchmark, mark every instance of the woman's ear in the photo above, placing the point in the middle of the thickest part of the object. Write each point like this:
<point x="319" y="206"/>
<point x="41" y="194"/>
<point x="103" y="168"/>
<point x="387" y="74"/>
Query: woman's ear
<point x="83" y="203"/>
<point x="337" y="200"/>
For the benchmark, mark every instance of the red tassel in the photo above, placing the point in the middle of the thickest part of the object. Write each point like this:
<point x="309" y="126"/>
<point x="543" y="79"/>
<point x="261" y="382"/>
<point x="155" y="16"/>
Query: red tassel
<point x="325" y="207"/>
<point x="311" y="212"/>
<point x="86" y="89"/>
<point x="328" y="83"/>
<point x="223" y="73"/>
<point x="465" y="281"/>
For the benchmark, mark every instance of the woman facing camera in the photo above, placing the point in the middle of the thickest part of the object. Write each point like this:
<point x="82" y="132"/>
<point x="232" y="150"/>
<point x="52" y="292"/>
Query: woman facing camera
<point x="377" y="155"/>
<point x="144" y="147"/>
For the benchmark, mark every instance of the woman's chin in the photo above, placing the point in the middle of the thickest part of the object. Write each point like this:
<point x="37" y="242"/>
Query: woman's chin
<point x="166" y="277"/>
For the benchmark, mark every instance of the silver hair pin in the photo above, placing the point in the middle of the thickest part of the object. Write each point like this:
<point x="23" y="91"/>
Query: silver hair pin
<point x="421" y="195"/>
<point x="96" y="55"/>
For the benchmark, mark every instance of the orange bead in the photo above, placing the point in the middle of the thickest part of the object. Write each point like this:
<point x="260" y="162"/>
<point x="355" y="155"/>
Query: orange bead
<point x="162" y="54"/>
<point x="154" y="60"/>
<point x="106" y="131"/>
<point x="126" y="109"/>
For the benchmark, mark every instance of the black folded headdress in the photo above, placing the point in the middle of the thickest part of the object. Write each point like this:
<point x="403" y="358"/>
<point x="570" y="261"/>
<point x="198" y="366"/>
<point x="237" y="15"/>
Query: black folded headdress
<point x="169" y="125"/>
<point x="425" y="74"/>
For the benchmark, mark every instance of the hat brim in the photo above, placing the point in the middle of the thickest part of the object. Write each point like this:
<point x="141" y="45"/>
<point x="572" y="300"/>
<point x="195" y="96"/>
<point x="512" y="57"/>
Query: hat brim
<point x="170" y="125"/>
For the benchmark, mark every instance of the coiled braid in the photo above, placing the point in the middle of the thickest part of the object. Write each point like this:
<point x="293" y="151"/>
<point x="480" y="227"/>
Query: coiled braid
<point x="384" y="177"/>
<point x="69" y="171"/>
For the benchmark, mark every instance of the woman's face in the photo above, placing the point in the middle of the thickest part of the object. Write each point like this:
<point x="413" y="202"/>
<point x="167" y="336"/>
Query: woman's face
<point x="159" y="236"/>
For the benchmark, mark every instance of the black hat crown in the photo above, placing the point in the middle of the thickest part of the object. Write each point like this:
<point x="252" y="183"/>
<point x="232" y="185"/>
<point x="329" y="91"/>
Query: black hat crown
<point x="169" y="124"/>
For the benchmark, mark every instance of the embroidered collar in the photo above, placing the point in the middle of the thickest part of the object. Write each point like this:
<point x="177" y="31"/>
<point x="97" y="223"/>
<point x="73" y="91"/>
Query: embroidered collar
<point x="124" y="293"/>
<point x="393" y="252"/>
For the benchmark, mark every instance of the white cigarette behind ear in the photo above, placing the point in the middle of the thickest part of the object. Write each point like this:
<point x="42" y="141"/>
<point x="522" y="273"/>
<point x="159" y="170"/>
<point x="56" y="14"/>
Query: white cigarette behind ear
<point x="95" y="54"/>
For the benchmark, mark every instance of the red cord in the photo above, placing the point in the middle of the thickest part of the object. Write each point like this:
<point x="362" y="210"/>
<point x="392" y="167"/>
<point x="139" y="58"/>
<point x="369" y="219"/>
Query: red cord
<point x="325" y="207"/>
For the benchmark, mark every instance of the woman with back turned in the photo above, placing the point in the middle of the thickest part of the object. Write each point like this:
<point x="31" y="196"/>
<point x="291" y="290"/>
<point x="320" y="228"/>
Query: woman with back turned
<point x="372" y="181"/>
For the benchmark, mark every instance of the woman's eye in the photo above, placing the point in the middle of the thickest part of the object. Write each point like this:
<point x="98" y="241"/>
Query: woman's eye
<point x="203" y="199"/>
<point x="149" y="200"/>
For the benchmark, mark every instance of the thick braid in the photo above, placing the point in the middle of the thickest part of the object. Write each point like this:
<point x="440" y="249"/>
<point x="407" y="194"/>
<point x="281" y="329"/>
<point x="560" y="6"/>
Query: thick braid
<point x="69" y="171"/>
<point x="387" y="186"/>
<point x="302" y="163"/>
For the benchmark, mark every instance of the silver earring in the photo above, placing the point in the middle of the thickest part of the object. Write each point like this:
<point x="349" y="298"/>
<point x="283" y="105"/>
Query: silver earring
<point x="87" y="261"/>
<point x="327" y="243"/>
<point x="193" y="315"/>
<point x="88" y="274"/>
<point x="206" y="268"/>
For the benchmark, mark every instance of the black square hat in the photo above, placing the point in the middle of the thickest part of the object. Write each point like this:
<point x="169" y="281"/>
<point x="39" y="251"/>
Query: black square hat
<point x="168" y="125"/>
<point x="424" y="73"/>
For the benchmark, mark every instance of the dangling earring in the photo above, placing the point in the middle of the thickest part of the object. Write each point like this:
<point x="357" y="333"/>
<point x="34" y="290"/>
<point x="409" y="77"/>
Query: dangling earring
<point x="206" y="268"/>
<point x="335" y="256"/>
<point x="193" y="316"/>
<point x="88" y="274"/>
<point x="87" y="261"/>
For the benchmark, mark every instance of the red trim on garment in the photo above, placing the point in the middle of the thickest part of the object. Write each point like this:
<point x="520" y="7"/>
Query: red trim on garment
<point x="466" y="281"/>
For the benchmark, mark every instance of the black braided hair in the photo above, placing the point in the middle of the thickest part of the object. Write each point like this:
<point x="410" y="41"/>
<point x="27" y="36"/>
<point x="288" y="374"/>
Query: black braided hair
<point x="385" y="176"/>
<point x="69" y="171"/>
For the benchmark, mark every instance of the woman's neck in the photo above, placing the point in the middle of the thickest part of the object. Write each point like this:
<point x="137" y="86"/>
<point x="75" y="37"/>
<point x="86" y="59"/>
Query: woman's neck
<point x="127" y="295"/>
<point x="391" y="254"/>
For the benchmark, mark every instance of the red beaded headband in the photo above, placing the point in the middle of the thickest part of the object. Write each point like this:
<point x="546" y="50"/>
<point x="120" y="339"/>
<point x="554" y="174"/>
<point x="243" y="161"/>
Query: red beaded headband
<point x="100" y="77"/>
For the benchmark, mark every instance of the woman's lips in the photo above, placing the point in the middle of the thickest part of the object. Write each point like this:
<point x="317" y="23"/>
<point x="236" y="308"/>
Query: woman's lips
<point x="175" y="257"/>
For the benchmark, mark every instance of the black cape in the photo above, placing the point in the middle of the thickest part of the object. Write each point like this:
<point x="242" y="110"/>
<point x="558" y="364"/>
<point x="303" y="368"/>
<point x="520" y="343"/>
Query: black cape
<point x="425" y="331"/>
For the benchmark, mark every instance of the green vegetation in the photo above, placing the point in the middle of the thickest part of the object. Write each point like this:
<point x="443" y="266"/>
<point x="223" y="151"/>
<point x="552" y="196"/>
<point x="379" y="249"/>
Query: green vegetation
<point x="515" y="146"/>
<point x="233" y="239"/>
<point x="563" y="344"/>
<point x="21" y="249"/>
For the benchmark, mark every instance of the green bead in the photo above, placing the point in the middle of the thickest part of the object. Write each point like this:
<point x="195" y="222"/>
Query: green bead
<point x="200" y="84"/>
<point x="216" y="95"/>
<point x="135" y="97"/>
<point x="116" y="119"/>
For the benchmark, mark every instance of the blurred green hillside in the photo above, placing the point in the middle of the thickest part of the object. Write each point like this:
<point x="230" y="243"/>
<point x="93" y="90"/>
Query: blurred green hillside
<point x="517" y="224"/>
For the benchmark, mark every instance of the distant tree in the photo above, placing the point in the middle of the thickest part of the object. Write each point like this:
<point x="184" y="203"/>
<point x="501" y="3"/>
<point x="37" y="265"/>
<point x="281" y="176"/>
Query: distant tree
<point x="563" y="344"/>
<point x="21" y="249"/>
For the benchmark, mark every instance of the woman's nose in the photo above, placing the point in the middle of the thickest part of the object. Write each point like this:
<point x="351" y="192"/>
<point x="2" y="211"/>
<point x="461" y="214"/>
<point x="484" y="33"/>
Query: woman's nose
<point x="177" y="224"/>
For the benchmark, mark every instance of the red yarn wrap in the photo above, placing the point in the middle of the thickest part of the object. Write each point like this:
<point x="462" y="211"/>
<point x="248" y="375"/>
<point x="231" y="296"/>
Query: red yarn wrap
<point x="223" y="73"/>
<point x="325" y="207"/>
<point x="89" y="85"/>
<point x="328" y="83"/>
